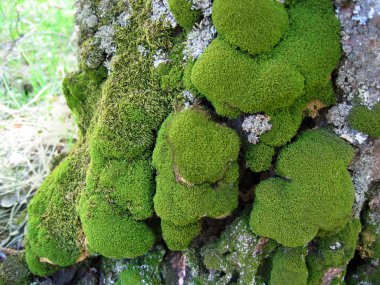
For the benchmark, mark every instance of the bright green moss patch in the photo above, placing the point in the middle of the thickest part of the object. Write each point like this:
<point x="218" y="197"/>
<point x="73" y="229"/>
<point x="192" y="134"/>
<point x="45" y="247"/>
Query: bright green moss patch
<point x="35" y="265"/>
<point x="202" y="150"/>
<point x="179" y="237"/>
<point x="259" y="157"/>
<point x="293" y="52"/>
<point x="333" y="252"/>
<point x="184" y="15"/>
<point x="179" y="202"/>
<point x="365" y="120"/>
<point x="111" y="232"/>
<point x="289" y="267"/>
<point x="315" y="199"/>
<point x="253" y="25"/>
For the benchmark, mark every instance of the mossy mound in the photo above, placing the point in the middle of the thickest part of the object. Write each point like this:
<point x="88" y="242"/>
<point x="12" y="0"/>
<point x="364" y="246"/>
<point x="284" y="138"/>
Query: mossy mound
<point x="183" y="13"/>
<point x="365" y="120"/>
<point x="315" y="196"/>
<point x="292" y="57"/>
<point x="289" y="267"/>
<point x="255" y="26"/>
<point x="258" y="157"/>
<point x="180" y="202"/>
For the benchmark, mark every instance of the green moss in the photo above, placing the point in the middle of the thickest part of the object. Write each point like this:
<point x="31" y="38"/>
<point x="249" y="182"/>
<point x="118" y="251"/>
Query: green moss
<point x="333" y="252"/>
<point x="235" y="253"/>
<point x="179" y="237"/>
<point x="143" y="270"/>
<point x="202" y="150"/>
<point x="35" y="265"/>
<point x="289" y="267"/>
<point x="14" y="271"/>
<point x="177" y="200"/>
<point x="259" y="157"/>
<point x="294" y="69"/>
<point x="53" y="234"/>
<point x="315" y="199"/>
<point x="365" y="120"/>
<point x="111" y="232"/>
<point x="183" y="14"/>
<point x="254" y="25"/>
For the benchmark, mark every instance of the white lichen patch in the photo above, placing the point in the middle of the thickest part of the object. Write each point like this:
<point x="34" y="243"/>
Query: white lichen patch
<point x="188" y="97"/>
<point x="143" y="50"/>
<point x="161" y="12"/>
<point x="337" y="116"/>
<point x="85" y="16"/>
<point x="159" y="57"/>
<point x="199" y="38"/>
<point x="105" y="39"/>
<point x="255" y="126"/>
<point x="205" y="6"/>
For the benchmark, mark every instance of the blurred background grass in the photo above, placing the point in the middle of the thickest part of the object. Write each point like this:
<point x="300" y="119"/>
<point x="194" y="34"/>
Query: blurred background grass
<point x="37" y="48"/>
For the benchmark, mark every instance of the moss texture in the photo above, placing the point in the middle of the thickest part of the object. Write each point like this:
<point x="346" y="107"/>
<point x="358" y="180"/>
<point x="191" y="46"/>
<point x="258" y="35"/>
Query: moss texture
<point x="258" y="157"/>
<point x="184" y="15"/>
<point x="289" y="267"/>
<point x="189" y="140"/>
<point x="292" y="51"/>
<point x="315" y="195"/>
<point x="365" y="120"/>
<point x="14" y="271"/>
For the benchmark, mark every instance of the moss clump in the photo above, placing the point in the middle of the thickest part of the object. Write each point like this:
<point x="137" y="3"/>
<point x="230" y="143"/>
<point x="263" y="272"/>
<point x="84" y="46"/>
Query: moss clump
<point x="179" y="237"/>
<point x="365" y="120"/>
<point x="333" y="252"/>
<point x="292" y="57"/>
<point x="183" y="200"/>
<point x="196" y="159"/>
<point x="183" y="13"/>
<point x="253" y="25"/>
<point x="316" y="196"/>
<point x="14" y="270"/>
<point x="55" y="236"/>
<point x="289" y="267"/>
<point x="259" y="157"/>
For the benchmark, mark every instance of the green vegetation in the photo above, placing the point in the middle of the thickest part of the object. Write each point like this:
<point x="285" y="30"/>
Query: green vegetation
<point x="183" y="200"/>
<point x="13" y="270"/>
<point x="280" y="77"/>
<point x="255" y="26"/>
<point x="314" y="198"/>
<point x="289" y="267"/>
<point x="184" y="15"/>
<point x="259" y="157"/>
<point x="333" y="252"/>
<point x="365" y="120"/>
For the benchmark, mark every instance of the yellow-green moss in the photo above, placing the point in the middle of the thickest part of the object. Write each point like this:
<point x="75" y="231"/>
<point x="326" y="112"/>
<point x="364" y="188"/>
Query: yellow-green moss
<point x="258" y="157"/>
<point x="184" y="15"/>
<point x="315" y="195"/>
<point x="365" y="120"/>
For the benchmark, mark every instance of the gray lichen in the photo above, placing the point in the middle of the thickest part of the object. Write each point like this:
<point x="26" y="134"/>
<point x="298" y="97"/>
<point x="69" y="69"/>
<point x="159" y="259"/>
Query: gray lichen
<point x="255" y="126"/>
<point x="161" y="12"/>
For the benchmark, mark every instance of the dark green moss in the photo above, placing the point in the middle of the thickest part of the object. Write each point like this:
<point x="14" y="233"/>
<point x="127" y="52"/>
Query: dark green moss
<point x="365" y="120"/>
<point x="316" y="197"/>
<point x="14" y="271"/>
<point x="289" y="267"/>
<point x="333" y="252"/>
<point x="254" y="25"/>
<point x="184" y="15"/>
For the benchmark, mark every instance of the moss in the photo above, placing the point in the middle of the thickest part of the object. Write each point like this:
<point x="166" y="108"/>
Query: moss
<point x="333" y="252"/>
<point x="113" y="233"/>
<point x="289" y="267"/>
<point x="179" y="237"/>
<point x="177" y="200"/>
<point x="55" y="235"/>
<point x="35" y="265"/>
<point x="236" y="253"/>
<point x="183" y="13"/>
<point x="143" y="270"/>
<point x="314" y="198"/>
<point x="365" y="120"/>
<point x="13" y="270"/>
<point x="259" y="157"/>
<point x="255" y="26"/>
<point x="290" y="63"/>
